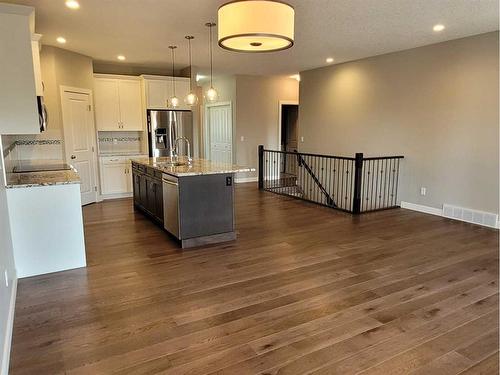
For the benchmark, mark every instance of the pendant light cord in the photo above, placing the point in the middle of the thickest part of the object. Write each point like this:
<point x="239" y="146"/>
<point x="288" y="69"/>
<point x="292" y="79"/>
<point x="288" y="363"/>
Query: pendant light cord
<point x="190" y="66"/>
<point x="211" y="57"/>
<point x="173" y="70"/>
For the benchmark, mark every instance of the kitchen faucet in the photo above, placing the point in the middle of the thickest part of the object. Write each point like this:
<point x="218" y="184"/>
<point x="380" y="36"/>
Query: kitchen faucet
<point x="176" y="143"/>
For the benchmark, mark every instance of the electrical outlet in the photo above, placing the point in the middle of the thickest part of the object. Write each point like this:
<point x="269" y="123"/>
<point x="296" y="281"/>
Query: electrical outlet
<point x="242" y="138"/>
<point x="6" y="278"/>
<point x="302" y="139"/>
<point x="423" y="191"/>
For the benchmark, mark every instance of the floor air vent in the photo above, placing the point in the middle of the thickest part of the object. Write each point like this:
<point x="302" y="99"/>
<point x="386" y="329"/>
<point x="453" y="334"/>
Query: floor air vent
<point x="471" y="216"/>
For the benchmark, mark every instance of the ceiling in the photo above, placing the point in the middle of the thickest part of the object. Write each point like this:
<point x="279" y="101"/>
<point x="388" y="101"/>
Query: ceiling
<point x="344" y="29"/>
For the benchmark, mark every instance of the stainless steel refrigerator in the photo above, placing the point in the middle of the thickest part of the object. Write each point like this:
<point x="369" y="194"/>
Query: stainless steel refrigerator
<point x="164" y="127"/>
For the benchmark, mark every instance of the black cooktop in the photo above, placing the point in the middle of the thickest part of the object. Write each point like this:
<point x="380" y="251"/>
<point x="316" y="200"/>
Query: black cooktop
<point x="41" y="167"/>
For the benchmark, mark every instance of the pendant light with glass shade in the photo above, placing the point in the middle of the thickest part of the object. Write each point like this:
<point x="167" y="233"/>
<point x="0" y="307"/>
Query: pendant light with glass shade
<point x="211" y="95"/>
<point x="173" y="100"/>
<point x="191" y="99"/>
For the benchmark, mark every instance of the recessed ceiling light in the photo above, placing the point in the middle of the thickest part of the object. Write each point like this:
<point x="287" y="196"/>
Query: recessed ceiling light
<point x="438" y="27"/>
<point x="120" y="57"/>
<point x="61" y="40"/>
<point x="329" y="60"/>
<point x="72" y="4"/>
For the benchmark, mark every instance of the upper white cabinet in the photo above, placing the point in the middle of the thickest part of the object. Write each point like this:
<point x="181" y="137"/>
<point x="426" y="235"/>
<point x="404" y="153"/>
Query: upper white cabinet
<point x="18" y="104"/>
<point x="118" y="103"/>
<point x="156" y="94"/>
<point x="35" y="50"/>
<point x="159" y="89"/>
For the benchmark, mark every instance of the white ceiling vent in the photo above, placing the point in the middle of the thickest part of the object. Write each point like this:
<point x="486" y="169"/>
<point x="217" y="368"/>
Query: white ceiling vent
<point x="471" y="216"/>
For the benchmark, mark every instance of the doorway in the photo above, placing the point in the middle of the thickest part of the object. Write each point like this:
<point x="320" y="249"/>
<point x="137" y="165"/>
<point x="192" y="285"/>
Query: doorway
<point x="219" y="132"/>
<point x="79" y="138"/>
<point x="288" y="135"/>
<point x="289" y="127"/>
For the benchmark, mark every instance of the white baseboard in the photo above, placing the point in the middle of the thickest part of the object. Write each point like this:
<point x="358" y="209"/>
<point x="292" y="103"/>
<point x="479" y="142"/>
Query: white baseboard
<point x="435" y="211"/>
<point x="8" y="334"/>
<point x="422" y="208"/>
<point x="116" y="196"/>
<point x="243" y="180"/>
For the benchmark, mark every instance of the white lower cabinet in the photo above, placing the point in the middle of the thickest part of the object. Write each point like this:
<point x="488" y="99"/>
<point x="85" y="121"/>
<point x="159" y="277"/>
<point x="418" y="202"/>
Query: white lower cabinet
<point x="116" y="176"/>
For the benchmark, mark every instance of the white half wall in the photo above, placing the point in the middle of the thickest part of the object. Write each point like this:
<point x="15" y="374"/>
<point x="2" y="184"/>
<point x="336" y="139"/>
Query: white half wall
<point x="8" y="279"/>
<point x="47" y="229"/>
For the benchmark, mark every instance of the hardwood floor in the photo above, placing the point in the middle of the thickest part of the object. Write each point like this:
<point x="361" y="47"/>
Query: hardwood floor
<point x="303" y="290"/>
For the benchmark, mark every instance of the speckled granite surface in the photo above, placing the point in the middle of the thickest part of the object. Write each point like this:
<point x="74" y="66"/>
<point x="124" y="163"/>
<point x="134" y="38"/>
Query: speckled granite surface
<point x="30" y="179"/>
<point x="197" y="168"/>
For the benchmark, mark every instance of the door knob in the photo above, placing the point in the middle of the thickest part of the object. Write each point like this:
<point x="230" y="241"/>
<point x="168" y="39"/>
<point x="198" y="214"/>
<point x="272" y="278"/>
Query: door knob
<point x="73" y="157"/>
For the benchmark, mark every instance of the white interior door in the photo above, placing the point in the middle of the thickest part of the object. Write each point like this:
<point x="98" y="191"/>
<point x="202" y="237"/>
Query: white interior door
<point x="220" y="133"/>
<point x="79" y="139"/>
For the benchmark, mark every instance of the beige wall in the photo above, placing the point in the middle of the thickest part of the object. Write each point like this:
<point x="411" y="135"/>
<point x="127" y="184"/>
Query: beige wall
<point x="62" y="68"/>
<point x="436" y="105"/>
<point x="255" y="103"/>
<point x="257" y="114"/>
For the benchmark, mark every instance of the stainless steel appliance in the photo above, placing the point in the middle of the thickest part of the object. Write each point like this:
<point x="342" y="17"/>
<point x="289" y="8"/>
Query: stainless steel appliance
<point x="43" y="116"/>
<point x="171" y="204"/>
<point x="164" y="127"/>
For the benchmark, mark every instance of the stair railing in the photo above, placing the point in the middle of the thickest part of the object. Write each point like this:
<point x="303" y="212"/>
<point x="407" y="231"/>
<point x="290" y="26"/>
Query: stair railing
<point x="302" y="162"/>
<point x="349" y="184"/>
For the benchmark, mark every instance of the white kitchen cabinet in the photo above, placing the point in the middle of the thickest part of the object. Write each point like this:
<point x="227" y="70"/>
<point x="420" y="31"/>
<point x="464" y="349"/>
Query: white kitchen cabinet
<point x="130" y="104"/>
<point x="116" y="177"/>
<point x="35" y="50"/>
<point x="156" y="94"/>
<point x="107" y="104"/>
<point x="18" y="106"/>
<point x="118" y="103"/>
<point x="159" y="89"/>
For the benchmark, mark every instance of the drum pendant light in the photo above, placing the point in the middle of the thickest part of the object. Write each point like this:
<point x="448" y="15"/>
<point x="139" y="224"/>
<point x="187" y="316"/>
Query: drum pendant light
<point x="191" y="99"/>
<point x="174" y="100"/>
<point x="211" y="95"/>
<point x="256" y="26"/>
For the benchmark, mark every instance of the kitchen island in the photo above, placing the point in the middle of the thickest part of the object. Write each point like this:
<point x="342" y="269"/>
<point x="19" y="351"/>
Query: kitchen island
<point x="193" y="202"/>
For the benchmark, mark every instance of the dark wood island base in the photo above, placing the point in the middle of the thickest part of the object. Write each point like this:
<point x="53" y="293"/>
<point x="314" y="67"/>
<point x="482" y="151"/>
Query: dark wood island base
<point x="195" y="204"/>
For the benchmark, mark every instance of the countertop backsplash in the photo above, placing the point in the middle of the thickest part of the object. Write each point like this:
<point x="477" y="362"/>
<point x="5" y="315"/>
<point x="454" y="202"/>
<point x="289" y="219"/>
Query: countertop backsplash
<point x="30" y="147"/>
<point x="119" y="142"/>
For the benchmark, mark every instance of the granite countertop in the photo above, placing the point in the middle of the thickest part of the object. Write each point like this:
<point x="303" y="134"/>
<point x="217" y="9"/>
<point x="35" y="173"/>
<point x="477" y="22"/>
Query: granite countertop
<point x="42" y="178"/>
<point x="133" y="154"/>
<point x="197" y="168"/>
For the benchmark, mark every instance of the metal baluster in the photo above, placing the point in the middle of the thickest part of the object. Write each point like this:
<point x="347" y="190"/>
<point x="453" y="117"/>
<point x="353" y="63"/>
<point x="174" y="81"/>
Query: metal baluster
<point x="393" y="177"/>
<point x="363" y="193"/>
<point x="397" y="184"/>
<point x="371" y="184"/>
<point x="385" y="183"/>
